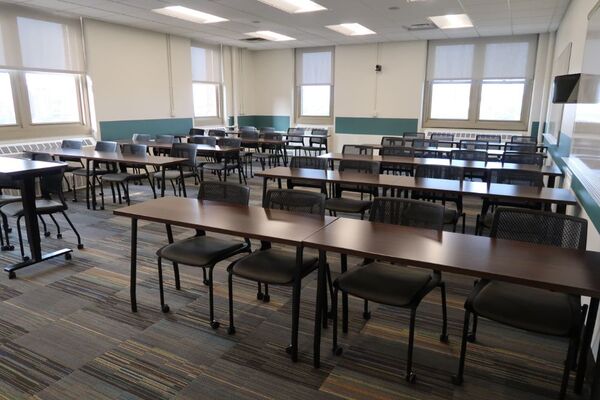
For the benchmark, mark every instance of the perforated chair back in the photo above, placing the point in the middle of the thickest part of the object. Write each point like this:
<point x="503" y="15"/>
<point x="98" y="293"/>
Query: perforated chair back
<point x="521" y="147"/>
<point x="51" y="183"/>
<point x="308" y="162"/>
<point x="418" y="135"/>
<point x="540" y="227"/>
<point x="295" y="131"/>
<point x="105" y="146"/>
<point x="469" y="155"/>
<point x="296" y="201"/>
<point x="523" y="158"/>
<point x="230" y="142"/>
<point x="439" y="172"/>
<point x="517" y="177"/>
<point x="134" y="149"/>
<point x="357" y="149"/>
<point x="71" y="144"/>
<point x="392" y="141"/>
<point x="359" y="166"/>
<point x="140" y="137"/>
<point x="249" y="134"/>
<point x="185" y="150"/>
<point x="442" y="136"/>
<point x="424" y="143"/>
<point x="473" y="145"/>
<point x="224" y="192"/>
<point x="319" y="137"/>
<point x="270" y="135"/>
<point x="397" y="211"/>
<point x="267" y="129"/>
<point x="397" y="151"/>
<point x="208" y="140"/>
<point x="489" y="138"/>
<point x="165" y="139"/>
<point x="523" y="139"/>
<point x="217" y="133"/>
<point x="196" y="132"/>
<point x="319" y="132"/>
<point x="249" y="128"/>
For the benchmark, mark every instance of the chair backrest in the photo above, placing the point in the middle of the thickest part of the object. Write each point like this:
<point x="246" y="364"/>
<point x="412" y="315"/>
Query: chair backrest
<point x="319" y="132"/>
<point x="473" y="144"/>
<point x="357" y="149"/>
<point x="469" y="155"/>
<point x="224" y="192"/>
<point x="523" y="158"/>
<point x="185" y="150"/>
<point x="134" y="149"/>
<point x="424" y="143"/>
<point x="439" y="172"/>
<point x="209" y="140"/>
<point x="251" y="134"/>
<point x="319" y="137"/>
<point x="196" y="132"/>
<point x="71" y="144"/>
<point x="295" y="201"/>
<point x="540" y="227"/>
<point x="248" y="128"/>
<point x="392" y="141"/>
<point x="360" y="166"/>
<point x="398" y="211"/>
<point x="489" y="138"/>
<point x="165" y="139"/>
<point x="442" y="136"/>
<point x="523" y="139"/>
<point x="267" y="129"/>
<point x="271" y="135"/>
<point x="230" y="142"/>
<point x="517" y="177"/>
<point x="521" y="147"/>
<point x="308" y="162"/>
<point x="106" y="146"/>
<point x="296" y="131"/>
<point x="50" y="183"/>
<point x="217" y="133"/>
<point x="398" y="151"/>
<point x="140" y="137"/>
<point x="418" y="135"/>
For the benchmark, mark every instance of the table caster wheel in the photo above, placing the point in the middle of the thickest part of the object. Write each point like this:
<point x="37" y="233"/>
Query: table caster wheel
<point x="46" y="234"/>
<point x="215" y="324"/>
<point x="206" y="282"/>
<point x="11" y="247"/>
<point x="456" y="380"/>
<point x="338" y="351"/>
<point x="68" y="256"/>
<point x="288" y="349"/>
<point x="5" y="248"/>
<point x="231" y="330"/>
<point x="259" y="296"/>
<point x="9" y="230"/>
<point x="444" y="338"/>
<point x="59" y="236"/>
<point x="411" y="377"/>
<point x="165" y="308"/>
<point x="12" y="275"/>
<point x="471" y="338"/>
<point x="266" y="298"/>
<point x="102" y="208"/>
<point x="80" y="246"/>
<point x="367" y="315"/>
<point x="25" y="258"/>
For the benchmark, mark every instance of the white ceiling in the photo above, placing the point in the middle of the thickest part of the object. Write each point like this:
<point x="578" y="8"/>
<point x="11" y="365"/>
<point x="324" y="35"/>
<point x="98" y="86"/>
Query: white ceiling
<point x="490" y="17"/>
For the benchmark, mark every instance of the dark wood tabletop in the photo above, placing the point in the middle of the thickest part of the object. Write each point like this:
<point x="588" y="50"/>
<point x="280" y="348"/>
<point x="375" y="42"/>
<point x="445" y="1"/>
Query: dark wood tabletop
<point x="481" y="189"/>
<point x="89" y="153"/>
<point x="168" y="146"/>
<point x="456" y="143"/>
<point x="19" y="167"/>
<point x="247" y="221"/>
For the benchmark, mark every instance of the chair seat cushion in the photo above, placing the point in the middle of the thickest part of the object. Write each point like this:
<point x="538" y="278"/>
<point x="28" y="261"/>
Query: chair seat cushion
<point x="200" y="250"/>
<point x="84" y="171"/>
<point x="42" y="206"/>
<point x="172" y="174"/>
<point x="532" y="309"/>
<point x="218" y="166"/>
<point x="272" y="266"/>
<point x="341" y="204"/>
<point x="388" y="284"/>
<point x="5" y="199"/>
<point x="450" y="216"/>
<point x="121" y="177"/>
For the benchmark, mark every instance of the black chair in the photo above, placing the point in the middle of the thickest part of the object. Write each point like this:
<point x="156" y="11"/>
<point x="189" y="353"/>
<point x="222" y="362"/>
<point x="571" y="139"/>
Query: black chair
<point x="124" y="176"/>
<point x="73" y="163"/>
<point x="392" y="141"/>
<point x="523" y="139"/>
<point x="141" y="137"/>
<point x="204" y="251"/>
<point x="164" y="139"/>
<point x="495" y="139"/>
<point x="184" y="170"/>
<point x="296" y="143"/>
<point x="97" y="168"/>
<point x="7" y="183"/>
<point x="266" y="129"/>
<point x="521" y="147"/>
<point x="473" y="145"/>
<point x="357" y="149"/>
<point x="414" y="135"/>
<point x="270" y="153"/>
<point x="394" y="285"/>
<point x="51" y="201"/>
<point x="509" y="177"/>
<point x="250" y="128"/>
<point x="227" y="161"/>
<point x="207" y="140"/>
<point x="523" y="158"/>
<point x="451" y="216"/>
<point x="421" y="144"/>
<point x="394" y="168"/>
<point x="337" y="203"/>
<point x="535" y="310"/>
<point x="317" y="143"/>
<point x="442" y="137"/>
<point x="469" y="155"/>
<point x="196" y="132"/>
<point x="251" y="146"/>
<point x="217" y="133"/>
<point x="278" y="267"/>
<point x="310" y="163"/>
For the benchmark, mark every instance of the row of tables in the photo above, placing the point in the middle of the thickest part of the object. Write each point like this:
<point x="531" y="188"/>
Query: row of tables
<point x="551" y="268"/>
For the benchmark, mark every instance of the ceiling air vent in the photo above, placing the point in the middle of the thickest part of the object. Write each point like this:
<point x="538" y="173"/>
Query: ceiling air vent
<point x="426" y="26"/>
<point x="253" y="40"/>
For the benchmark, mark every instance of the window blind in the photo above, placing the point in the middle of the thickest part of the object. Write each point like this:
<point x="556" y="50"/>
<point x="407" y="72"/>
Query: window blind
<point x="206" y="64"/>
<point x="482" y="58"/>
<point x="314" y="66"/>
<point x="33" y="40"/>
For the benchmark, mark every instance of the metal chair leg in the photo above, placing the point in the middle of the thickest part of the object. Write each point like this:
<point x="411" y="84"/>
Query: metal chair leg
<point x="571" y="354"/>
<point x="213" y="323"/>
<point x="164" y="307"/>
<point x="410" y="375"/>
<point x="79" y="244"/>
<point x="337" y="350"/>
<point x="20" y="238"/>
<point x="58" y="234"/>
<point x="458" y="378"/>
<point x="231" y="329"/>
<point x="46" y="231"/>
<point x="366" y="312"/>
<point x="444" y="335"/>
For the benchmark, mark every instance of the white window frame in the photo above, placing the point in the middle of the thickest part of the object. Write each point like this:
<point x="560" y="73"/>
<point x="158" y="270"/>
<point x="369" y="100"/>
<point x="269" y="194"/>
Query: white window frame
<point x="313" y="119"/>
<point x="219" y="94"/>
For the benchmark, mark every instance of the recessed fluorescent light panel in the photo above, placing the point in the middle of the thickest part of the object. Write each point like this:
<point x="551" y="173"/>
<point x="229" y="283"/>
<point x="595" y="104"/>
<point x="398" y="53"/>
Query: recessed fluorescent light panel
<point x="189" y="14"/>
<point x="294" y="6"/>
<point x="272" y="36"/>
<point x="352" y="29"/>
<point x="452" y="21"/>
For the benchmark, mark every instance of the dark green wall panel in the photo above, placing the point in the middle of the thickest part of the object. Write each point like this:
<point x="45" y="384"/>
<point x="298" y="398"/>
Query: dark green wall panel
<point x="279" y="122"/>
<point x="375" y="126"/>
<point x="114" y="130"/>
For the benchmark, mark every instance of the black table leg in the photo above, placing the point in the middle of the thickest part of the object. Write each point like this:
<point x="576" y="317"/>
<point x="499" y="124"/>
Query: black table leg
<point x="585" y="345"/>
<point x="265" y="181"/>
<point x="133" y="265"/>
<point x="321" y="292"/>
<point x="87" y="183"/>
<point x="182" y="180"/>
<point x="551" y="181"/>
<point x="163" y="183"/>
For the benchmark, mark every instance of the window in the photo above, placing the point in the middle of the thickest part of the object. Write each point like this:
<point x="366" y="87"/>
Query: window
<point x="314" y="80"/>
<point x="480" y="83"/>
<point x="53" y="98"/>
<point x="206" y="82"/>
<point x="7" y="105"/>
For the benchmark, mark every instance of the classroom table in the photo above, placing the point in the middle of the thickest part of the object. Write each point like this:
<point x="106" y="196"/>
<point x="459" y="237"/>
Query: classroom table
<point x="91" y="156"/>
<point x="545" y="267"/>
<point x="251" y="222"/>
<point x="456" y="144"/>
<point x="24" y="172"/>
<point x="551" y="171"/>
<point x="493" y="191"/>
<point x="168" y="146"/>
